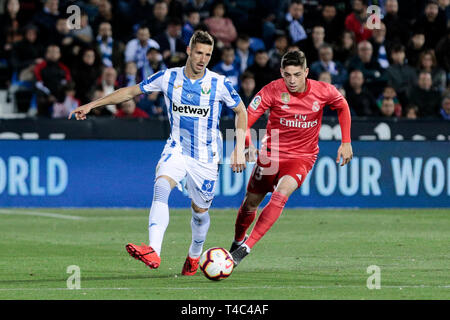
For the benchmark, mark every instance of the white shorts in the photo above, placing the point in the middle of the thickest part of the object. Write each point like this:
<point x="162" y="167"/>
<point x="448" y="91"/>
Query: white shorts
<point x="200" y="177"/>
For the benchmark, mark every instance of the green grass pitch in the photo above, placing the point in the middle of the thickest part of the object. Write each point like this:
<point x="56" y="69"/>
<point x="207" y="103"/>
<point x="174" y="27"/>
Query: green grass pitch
<point x="308" y="254"/>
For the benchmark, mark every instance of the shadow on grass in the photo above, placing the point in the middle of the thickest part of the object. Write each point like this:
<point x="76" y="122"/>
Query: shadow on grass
<point x="84" y="279"/>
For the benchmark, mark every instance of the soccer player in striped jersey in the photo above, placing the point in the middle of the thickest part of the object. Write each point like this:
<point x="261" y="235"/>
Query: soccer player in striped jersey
<point x="290" y="146"/>
<point x="194" y="97"/>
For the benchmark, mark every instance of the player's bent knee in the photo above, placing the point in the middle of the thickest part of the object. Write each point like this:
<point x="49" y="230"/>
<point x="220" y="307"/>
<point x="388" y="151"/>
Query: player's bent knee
<point x="172" y="182"/>
<point x="197" y="209"/>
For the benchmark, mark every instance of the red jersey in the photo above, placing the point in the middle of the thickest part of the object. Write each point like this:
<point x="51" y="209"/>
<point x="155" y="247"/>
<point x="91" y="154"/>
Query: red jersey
<point x="295" y="118"/>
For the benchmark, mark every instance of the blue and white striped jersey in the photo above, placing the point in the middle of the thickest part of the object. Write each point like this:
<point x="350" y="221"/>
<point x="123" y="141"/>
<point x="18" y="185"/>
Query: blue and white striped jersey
<point x="194" y="108"/>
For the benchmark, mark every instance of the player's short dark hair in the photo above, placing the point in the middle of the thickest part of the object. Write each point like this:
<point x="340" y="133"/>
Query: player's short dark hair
<point x="293" y="58"/>
<point x="200" y="36"/>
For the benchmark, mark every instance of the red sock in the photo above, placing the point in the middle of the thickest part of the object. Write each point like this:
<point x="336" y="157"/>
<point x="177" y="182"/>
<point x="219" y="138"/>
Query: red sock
<point x="267" y="218"/>
<point x="243" y="221"/>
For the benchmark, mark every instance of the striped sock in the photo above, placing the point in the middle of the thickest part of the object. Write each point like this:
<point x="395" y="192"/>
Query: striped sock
<point x="199" y="224"/>
<point x="159" y="214"/>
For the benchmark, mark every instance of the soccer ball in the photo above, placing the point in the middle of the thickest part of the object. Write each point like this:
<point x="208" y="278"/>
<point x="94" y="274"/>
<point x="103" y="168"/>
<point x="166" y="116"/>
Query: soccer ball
<point x="216" y="263"/>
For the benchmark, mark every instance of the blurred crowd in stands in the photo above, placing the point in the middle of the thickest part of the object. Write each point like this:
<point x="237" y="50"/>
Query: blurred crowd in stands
<point x="398" y="69"/>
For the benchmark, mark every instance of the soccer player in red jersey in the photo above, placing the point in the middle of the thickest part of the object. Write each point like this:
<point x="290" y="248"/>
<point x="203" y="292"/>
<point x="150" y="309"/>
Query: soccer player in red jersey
<point x="290" y="146"/>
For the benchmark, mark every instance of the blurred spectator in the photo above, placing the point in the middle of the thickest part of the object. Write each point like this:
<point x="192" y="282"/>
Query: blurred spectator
<point x="410" y="10"/>
<point x="356" y="21"/>
<point x="444" y="6"/>
<point x="427" y="99"/>
<point x="279" y="49"/>
<point x="108" y="84"/>
<point x="360" y="100"/>
<point x="192" y="21"/>
<point x="26" y="54"/>
<point x="171" y="44"/>
<point x="324" y="76"/>
<point x="245" y="14"/>
<point x="67" y="43"/>
<point x="445" y="109"/>
<point x="326" y="63"/>
<point x="332" y="22"/>
<point x="411" y="112"/>
<point x="433" y="24"/>
<point x="292" y="23"/>
<point x="10" y="25"/>
<point x="247" y="90"/>
<point x="442" y="53"/>
<point x="428" y="63"/>
<point x="158" y="22"/>
<point x="140" y="10"/>
<point x="51" y="75"/>
<point x="219" y="26"/>
<point x="374" y="76"/>
<point x="293" y="47"/>
<point x="262" y="71"/>
<point x="381" y="46"/>
<point x="415" y="46"/>
<point x="228" y="67"/>
<point x="136" y="49"/>
<point x="153" y="64"/>
<point x="346" y="47"/>
<point x="202" y="6"/>
<point x="85" y="74"/>
<point x="175" y="9"/>
<point x="311" y="45"/>
<point x="387" y="109"/>
<point x="85" y="33"/>
<point x="128" y="109"/>
<point x="62" y="109"/>
<point x="129" y="77"/>
<point x="120" y="28"/>
<point x="111" y="50"/>
<point x="244" y="57"/>
<point x="397" y="28"/>
<point x="400" y="76"/>
<point x="45" y="20"/>
<point x="389" y="93"/>
<point x="102" y="111"/>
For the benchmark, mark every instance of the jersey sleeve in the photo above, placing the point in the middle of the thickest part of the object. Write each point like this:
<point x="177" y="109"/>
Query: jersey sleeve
<point x="152" y="83"/>
<point x="229" y="95"/>
<point x="337" y="102"/>
<point x="257" y="107"/>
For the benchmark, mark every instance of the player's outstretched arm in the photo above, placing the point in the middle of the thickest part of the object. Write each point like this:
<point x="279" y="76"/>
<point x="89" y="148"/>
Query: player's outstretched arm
<point x="118" y="96"/>
<point x="238" y="154"/>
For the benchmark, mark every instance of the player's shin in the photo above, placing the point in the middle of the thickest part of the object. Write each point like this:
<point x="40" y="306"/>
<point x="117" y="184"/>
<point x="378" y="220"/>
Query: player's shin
<point x="159" y="214"/>
<point x="267" y="218"/>
<point x="243" y="221"/>
<point x="199" y="224"/>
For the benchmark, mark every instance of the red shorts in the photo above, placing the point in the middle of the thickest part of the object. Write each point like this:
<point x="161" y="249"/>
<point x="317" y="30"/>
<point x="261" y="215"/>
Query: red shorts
<point x="267" y="173"/>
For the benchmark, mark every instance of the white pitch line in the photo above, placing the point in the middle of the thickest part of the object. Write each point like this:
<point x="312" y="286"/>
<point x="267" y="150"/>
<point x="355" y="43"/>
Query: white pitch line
<point x="228" y="288"/>
<point x="41" y="214"/>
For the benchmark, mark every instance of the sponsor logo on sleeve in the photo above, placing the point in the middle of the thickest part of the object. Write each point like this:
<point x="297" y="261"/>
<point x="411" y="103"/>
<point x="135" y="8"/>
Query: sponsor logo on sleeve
<point x="255" y="102"/>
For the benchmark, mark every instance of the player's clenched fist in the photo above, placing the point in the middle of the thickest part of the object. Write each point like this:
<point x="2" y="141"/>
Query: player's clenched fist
<point x="81" y="112"/>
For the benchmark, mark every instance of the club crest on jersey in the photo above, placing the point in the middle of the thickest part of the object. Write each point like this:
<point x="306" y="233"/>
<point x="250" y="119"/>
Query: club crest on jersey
<point x="206" y="89"/>
<point x="285" y="97"/>
<point x="191" y="111"/>
<point x="255" y="102"/>
<point x="315" y="106"/>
